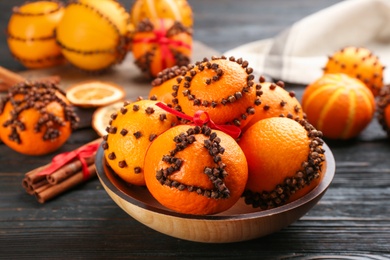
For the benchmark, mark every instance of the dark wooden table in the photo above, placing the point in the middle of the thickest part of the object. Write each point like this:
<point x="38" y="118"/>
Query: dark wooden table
<point x="352" y="221"/>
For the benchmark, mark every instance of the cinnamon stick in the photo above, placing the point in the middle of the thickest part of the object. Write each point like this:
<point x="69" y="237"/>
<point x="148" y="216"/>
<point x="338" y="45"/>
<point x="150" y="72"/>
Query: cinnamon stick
<point x="54" y="190"/>
<point x="9" y="79"/>
<point x="68" y="170"/>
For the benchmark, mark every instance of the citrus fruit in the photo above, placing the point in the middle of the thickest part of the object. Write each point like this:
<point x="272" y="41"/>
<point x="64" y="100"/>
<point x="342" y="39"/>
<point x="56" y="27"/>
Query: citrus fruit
<point x="178" y="10"/>
<point x="93" y="34"/>
<point x="284" y="160"/>
<point x="30" y="33"/>
<point x="159" y="44"/>
<point x="338" y="105"/>
<point x="383" y="105"/>
<point x="102" y="116"/>
<point x="224" y="88"/>
<point x="132" y="128"/>
<point x="94" y="93"/>
<point x="359" y="63"/>
<point x="36" y="118"/>
<point x="276" y="101"/>
<point x="195" y="170"/>
<point x="164" y="84"/>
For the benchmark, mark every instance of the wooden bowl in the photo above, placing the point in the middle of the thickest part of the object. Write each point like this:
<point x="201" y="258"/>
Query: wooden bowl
<point x="239" y="223"/>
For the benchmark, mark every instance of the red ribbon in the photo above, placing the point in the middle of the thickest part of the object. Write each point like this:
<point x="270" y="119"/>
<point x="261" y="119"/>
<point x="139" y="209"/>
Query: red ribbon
<point x="201" y="118"/>
<point x="160" y="38"/>
<point x="64" y="158"/>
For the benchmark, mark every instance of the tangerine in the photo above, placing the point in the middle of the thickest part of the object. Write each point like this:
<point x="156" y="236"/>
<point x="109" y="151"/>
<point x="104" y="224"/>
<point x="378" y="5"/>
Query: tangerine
<point x="338" y="105"/>
<point x="284" y="157"/>
<point x="160" y="44"/>
<point x="224" y="88"/>
<point x="383" y="101"/>
<point x="30" y="33"/>
<point x="162" y="85"/>
<point x="130" y="132"/>
<point x="276" y="101"/>
<point x="93" y="34"/>
<point x="178" y="10"/>
<point x="360" y="63"/>
<point x="195" y="170"/>
<point x="36" y="118"/>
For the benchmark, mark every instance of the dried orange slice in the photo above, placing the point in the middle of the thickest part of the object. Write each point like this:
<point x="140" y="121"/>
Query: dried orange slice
<point x="94" y="94"/>
<point x="102" y="116"/>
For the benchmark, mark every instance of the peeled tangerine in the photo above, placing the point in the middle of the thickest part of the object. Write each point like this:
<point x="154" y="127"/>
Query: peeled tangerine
<point x="36" y="118"/>
<point x="93" y="34"/>
<point x="359" y="63"/>
<point x="178" y="10"/>
<point x="132" y="129"/>
<point x="285" y="157"/>
<point x="338" y="105"/>
<point x="31" y="34"/>
<point x="195" y="170"/>
<point x="158" y="44"/>
<point x="224" y="88"/>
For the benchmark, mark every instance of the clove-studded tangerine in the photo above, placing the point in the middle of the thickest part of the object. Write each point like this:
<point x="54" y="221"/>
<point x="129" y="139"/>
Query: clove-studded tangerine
<point x="36" y="118"/>
<point x="178" y="10"/>
<point x="158" y="44"/>
<point x="195" y="170"/>
<point x="93" y="34"/>
<point x="360" y="63"/>
<point x="222" y="87"/>
<point x="383" y="105"/>
<point x="162" y="85"/>
<point x="30" y="33"/>
<point x="130" y="132"/>
<point x="285" y="158"/>
<point x="276" y="101"/>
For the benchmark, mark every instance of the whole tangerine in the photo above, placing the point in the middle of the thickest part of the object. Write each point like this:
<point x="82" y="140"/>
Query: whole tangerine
<point x="276" y="101"/>
<point x="383" y="105"/>
<point x="130" y="132"/>
<point x="162" y="85"/>
<point x="338" y="105"/>
<point x="160" y="44"/>
<point x="222" y="87"/>
<point x="93" y="34"/>
<point x="30" y="33"/>
<point x="284" y="157"/>
<point x="36" y="118"/>
<point x="359" y="63"/>
<point x="178" y="10"/>
<point x="195" y="170"/>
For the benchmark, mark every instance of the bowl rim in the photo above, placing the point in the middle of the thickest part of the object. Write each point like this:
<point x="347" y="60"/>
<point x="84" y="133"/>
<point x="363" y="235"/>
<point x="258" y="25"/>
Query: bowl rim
<point x="330" y="169"/>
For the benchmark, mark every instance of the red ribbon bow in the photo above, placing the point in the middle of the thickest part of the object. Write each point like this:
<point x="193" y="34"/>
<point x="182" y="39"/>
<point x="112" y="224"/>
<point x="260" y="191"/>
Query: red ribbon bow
<point x="160" y="38"/>
<point x="64" y="158"/>
<point x="201" y="118"/>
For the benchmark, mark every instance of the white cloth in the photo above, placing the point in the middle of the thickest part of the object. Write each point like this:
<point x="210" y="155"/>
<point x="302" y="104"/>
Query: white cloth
<point x="298" y="54"/>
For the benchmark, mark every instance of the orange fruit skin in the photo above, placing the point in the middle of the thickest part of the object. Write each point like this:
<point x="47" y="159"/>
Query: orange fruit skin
<point x="178" y="10"/>
<point x="127" y="146"/>
<point x="155" y="50"/>
<point x="275" y="149"/>
<point x="338" y="105"/>
<point x="195" y="158"/>
<point x="276" y="101"/>
<point x="92" y="34"/>
<point x="32" y="142"/>
<point x="383" y="102"/>
<point x="31" y="38"/>
<point x="233" y="80"/>
<point x="359" y="63"/>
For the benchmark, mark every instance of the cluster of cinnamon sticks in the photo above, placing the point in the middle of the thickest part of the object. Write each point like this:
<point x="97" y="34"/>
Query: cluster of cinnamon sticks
<point x="47" y="186"/>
